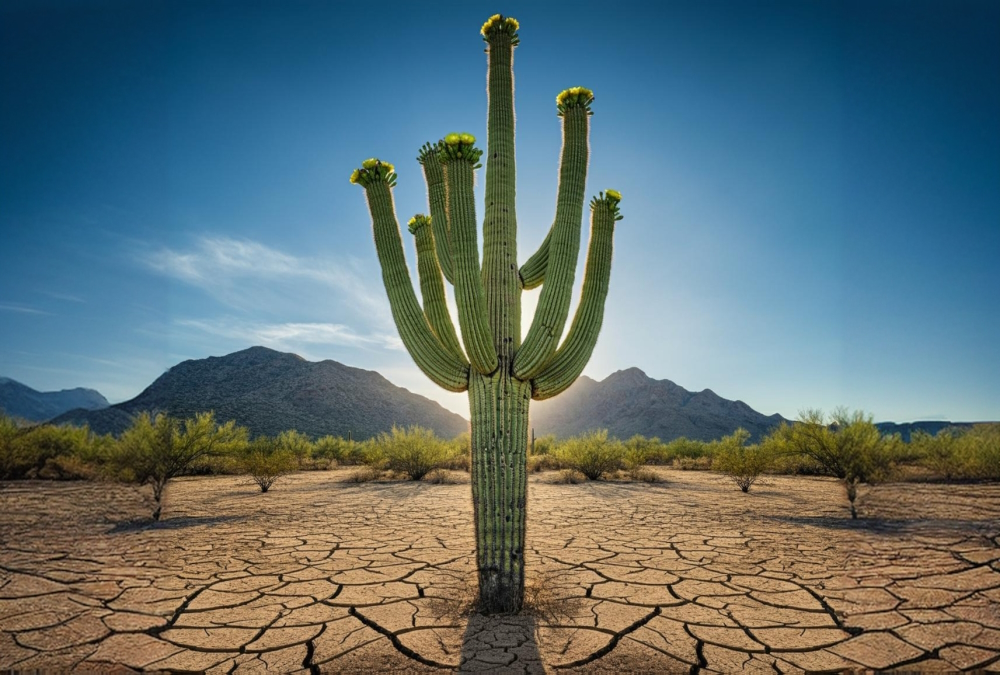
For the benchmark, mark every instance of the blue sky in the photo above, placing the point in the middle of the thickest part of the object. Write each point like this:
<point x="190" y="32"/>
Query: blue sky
<point x="811" y="189"/>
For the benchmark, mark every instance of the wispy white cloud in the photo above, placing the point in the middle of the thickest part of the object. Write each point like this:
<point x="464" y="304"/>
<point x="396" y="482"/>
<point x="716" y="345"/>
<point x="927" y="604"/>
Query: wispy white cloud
<point x="63" y="296"/>
<point x="21" y="309"/>
<point x="292" y="335"/>
<point x="242" y="273"/>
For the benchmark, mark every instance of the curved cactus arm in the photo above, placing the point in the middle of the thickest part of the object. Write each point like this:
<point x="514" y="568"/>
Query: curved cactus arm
<point x="503" y="285"/>
<point x="532" y="273"/>
<point x="459" y="156"/>
<point x="553" y="305"/>
<point x="430" y="356"/>
<point x="572" y="356"/>
<point x="432" y="286"/>
<point x="436" y="201"/>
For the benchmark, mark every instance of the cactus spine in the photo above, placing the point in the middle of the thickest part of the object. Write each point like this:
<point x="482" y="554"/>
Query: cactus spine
<point x="500" y="373"/>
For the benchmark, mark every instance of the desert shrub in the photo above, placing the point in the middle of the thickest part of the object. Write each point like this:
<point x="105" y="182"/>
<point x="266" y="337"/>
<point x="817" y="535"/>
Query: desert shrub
<point x="459" y="453"/>
<point x="850" y="447"/>
<point x="155" y="449"/>
<point x="568" y="477"/>
<point x="692" y="463"/>
<point x="338" y="450"/>
<point x="546" y="462"/>
<point x="592" y="454"/>
<point x="413" y="451"/>
<point x="954" y="453"/>
<point x="544" y="445"/>
<point x="266" y="460"/>
<point x="643" y="474"/>
<point x="363" y="474"/>
<point x="684" y="449"/>
<point x="742" y="463"/>
<point x="640" y="451"/>
<point x="34" y="451"/>
<point x="295" y="444"/>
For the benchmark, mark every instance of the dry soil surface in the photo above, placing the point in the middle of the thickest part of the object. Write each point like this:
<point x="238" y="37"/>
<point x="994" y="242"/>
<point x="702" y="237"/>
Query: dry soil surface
<point x="320" y="575"/>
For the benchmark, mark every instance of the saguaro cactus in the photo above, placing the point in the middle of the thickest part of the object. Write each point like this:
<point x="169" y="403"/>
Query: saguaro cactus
<point x="501" y="373"/>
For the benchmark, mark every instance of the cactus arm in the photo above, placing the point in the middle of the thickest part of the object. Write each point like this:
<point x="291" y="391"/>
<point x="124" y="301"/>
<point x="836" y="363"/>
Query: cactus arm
<point x="571" y="358"/>
<point x="430" y="356"/>
<point x="432" y="286"/>
<point x="532" y="273"/>
<point x="503" y="285"/>
<point x="459" y="159"/>
<point x="553" y="305"/>
<point x="436" y="201"/>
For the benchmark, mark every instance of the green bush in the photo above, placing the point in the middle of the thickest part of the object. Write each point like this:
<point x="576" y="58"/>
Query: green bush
<point x="266" y="460"/>
<point x="48" y="451"/>
<point x="849" y="447"/>
<point x="743" y="463"/>
<point x="155" y="449"/>
<point x="413" y="451"/>
<point x="544" y="445"/>
<point x="680" y="449"/>
<point x="960" y="454"/>
<point x="594" y="454"/>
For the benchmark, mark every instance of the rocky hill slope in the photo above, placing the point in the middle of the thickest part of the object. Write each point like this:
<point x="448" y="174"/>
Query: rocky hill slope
<point x="269" y="392"/>
<point x="629" y="402"/>
<point x="20" y="400"/>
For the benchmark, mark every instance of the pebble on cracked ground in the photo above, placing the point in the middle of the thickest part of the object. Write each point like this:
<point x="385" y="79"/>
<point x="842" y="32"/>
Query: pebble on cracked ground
<point x="322" y="575"/>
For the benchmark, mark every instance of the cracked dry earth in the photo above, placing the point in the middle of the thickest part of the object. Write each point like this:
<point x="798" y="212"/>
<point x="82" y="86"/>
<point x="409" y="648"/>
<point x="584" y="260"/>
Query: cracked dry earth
<point x="689" y="575"/>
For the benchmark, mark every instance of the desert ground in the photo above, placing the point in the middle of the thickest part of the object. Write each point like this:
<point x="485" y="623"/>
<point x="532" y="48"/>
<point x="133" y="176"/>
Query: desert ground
<point x="322" y="575"/>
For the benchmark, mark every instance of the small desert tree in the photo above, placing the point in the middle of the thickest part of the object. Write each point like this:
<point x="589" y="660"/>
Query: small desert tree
<point x="849" y="447"/>
<point x="266" y="460"/>
<point x="743" y="463"/>
<point x="155" y="449"/>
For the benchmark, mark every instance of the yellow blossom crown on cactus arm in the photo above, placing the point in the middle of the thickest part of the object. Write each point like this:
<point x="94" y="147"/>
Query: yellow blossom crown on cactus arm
<point x="373" y="171"/>
<point x="574" y="97"/>
<point x="418" y="221"/>
<point x="609" y="199"/>
<point x="497" y="25"/>
<point x="459" y="146"/>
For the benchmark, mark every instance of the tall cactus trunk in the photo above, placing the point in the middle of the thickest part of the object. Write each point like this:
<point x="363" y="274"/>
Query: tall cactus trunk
<point x="501" y="373"/>
<point x="499" y="407"/>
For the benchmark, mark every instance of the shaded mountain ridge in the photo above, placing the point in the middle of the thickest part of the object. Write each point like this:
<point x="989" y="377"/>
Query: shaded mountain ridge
<point x="20" y="400"/>
<point x="629" y="402"/>
<point x="269" y="392"/>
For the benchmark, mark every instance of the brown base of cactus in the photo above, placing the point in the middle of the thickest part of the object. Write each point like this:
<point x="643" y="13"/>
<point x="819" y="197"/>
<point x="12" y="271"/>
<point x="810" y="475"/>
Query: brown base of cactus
<point x="499" y="408"/>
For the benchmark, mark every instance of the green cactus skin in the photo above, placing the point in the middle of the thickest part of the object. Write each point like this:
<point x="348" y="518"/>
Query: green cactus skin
<point x="436" y="201"/>
<point x="432" y="286"/>
<point x="502" y="376"/>
<point x="469" y="292"/>
<point x="532" y="273"/>
<point x="572" y="357"/>
<point x="431" y="357"/>
<point x="564" y="247"/>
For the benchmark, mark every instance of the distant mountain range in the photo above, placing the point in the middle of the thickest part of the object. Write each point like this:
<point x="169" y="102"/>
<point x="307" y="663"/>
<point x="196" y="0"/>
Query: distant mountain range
<point x="269" y="392"/>
<point x="20" y="400"/>
<point x="629" y="402"/>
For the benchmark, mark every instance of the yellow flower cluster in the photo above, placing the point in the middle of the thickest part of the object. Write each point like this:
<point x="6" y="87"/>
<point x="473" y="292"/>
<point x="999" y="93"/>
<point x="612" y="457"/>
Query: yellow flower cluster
<point x="455" y="139"/>
<point x="575" y="95"/>
<point x="373" y="167"/>
<point x="614" y="194"/>
<point x="509" y="23"/>
<point x="418" y="221"/>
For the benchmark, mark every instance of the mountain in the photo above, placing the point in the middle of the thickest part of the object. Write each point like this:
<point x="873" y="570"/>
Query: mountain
<point x="269" y="392"/>
<point x="19" y="400"/>
<point x="629" y="402"/>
